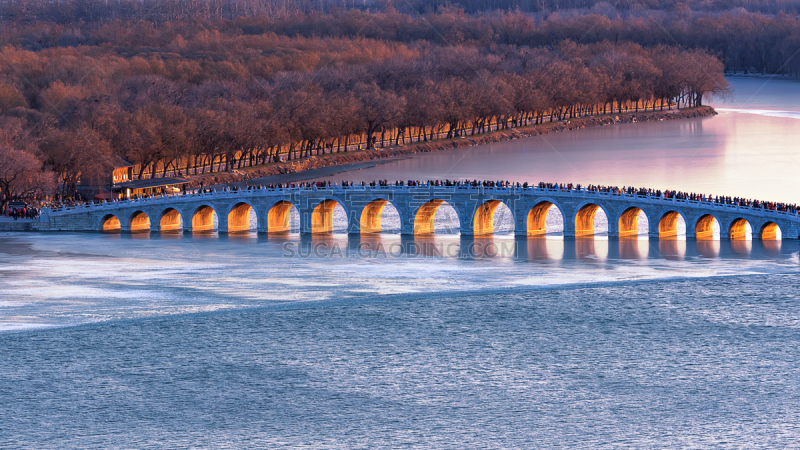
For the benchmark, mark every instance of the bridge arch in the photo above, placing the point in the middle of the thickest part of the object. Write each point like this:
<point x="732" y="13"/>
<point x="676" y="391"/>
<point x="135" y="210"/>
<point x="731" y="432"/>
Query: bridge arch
<point x="240" y="215"/>
<point x="740" y="229"/>
<point x="707" y="227"/>
<point x="424" y="217"/>
<point x="536" y="221"/>
<point x="770" y="231"/>
<point x="584" y="218"/>
<point x="139" y="221"/>
<point x="371" y="217"/>
<point x="671" y="224"/>
<point x="170" y="219"/>
<point x="110" y="222"/>
<point x="484" y="217"/>
<point x="279" y="216"/>
<point x="204" y="218"/>
<point x="628" y="222"/>
<point x="322" y="215"/>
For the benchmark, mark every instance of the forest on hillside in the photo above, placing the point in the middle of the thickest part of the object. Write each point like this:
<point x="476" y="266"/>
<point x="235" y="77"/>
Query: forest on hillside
<point x="745" y="39"/>
<point x="92" y="10"/>
<point x="182" y="95"/>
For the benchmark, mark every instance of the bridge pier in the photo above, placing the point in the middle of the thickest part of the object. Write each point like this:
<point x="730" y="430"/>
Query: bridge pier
<point x="613" y="217"/>
<point x="653" y="229"/>
<point x="520" y="212"/>
<point x="305" y="221"/>
<point x="353" y="222"/>
<point x="468" y="229"/>
<point x="406" y="220"/>
<point x="569" y="228"/>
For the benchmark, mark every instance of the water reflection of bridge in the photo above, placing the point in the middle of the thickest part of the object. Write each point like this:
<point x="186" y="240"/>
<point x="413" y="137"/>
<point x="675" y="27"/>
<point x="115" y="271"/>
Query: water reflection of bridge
<point x="363" y="210"/>
<point x="590" y="249"/>
<point x="538" y="248"/>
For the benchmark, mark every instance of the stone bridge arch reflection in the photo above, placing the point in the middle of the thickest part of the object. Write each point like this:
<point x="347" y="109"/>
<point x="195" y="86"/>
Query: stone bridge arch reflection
<point x="592" y="248"/>
<point x="637" y="247"/>
<point x="708" y="248"/>
<point x="544" y="248"/>
<point x="672" y="248"/>
<point x="741" y="246"/>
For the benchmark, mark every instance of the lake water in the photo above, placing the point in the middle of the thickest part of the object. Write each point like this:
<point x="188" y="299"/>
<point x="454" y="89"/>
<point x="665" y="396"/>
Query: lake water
<point x="153" y="341"/>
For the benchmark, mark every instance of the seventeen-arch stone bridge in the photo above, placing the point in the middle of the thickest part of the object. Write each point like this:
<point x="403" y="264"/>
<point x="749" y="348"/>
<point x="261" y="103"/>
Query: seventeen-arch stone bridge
<point x="230" y="211"/>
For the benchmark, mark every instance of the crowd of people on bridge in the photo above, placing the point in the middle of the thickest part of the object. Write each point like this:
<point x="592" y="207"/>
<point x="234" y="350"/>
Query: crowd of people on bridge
<point x="678" y="195"/>
<point x="19" y="212"/>
<point x="643" y="192"/>
<point x="630" y="190"/>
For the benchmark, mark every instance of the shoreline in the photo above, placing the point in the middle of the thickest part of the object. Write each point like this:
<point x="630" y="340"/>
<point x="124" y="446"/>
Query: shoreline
<point x="332" y="163"/>
<point x="777" y="76"/>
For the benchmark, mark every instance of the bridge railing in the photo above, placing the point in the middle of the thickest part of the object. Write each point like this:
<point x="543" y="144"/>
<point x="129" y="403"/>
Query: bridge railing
<point x="421" y="189"/>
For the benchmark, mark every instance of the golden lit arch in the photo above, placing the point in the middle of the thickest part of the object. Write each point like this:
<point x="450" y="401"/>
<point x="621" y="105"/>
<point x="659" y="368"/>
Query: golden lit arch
<point x="239" y="217"/>
<point x="537" y="218"/>
<point x="278" y="217"/>
<point x="629" y="222"/>
<point x="770" y="231"/>
<point x="140" y="221"/>
<point x="371" y="216"/>
<point x="483" y="223"/>
<point x="740" y="230"/>
<point x="668" y="225"/>
<point x="203" y="218"/>
<point x="704" y="229"/>
<point x="584" y="220"/>
<point x="170" y="220"/>
<point x="425" y="216"/>
<point x="322" y="216"/>
<point x="110" y="223"/>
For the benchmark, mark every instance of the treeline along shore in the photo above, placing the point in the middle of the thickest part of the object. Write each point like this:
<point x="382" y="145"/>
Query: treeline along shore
<point x="192" y="96"/>
<point x="341" y="159"/>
